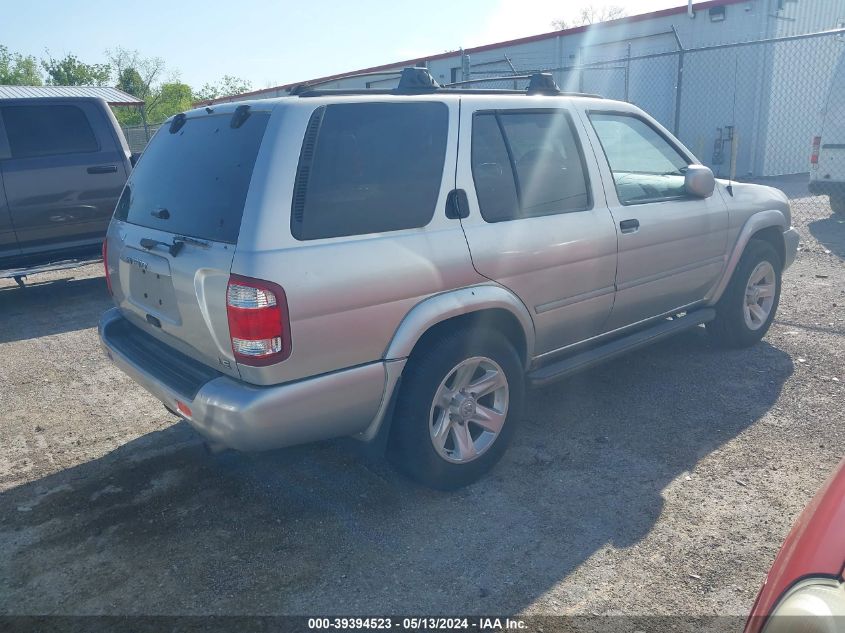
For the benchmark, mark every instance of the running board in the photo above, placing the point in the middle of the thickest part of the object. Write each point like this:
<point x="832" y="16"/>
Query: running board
<point x="617" y="347"/>
<point x="18" y="274"/>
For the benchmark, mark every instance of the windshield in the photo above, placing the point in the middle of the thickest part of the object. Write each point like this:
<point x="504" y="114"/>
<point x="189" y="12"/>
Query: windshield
<point x="194" y="182"/>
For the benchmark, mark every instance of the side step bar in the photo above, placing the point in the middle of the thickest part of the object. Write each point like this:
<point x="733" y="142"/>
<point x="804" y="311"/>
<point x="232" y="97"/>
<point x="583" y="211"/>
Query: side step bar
<point x="617" y="347"/>
<point x="18" y="274"/>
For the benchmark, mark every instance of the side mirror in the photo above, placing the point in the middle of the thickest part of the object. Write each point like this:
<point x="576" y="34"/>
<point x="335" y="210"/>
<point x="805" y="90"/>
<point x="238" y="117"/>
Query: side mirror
<point x="699" y="181"/>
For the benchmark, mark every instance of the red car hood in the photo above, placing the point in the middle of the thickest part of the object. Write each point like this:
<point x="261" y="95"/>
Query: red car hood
<point x="814" y="547"/>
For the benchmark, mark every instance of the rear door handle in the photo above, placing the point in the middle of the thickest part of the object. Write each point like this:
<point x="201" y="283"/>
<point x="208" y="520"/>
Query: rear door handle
<point x="457" y="205"/>
<point x="629" y="226"/>
<point x="102" y="169"/>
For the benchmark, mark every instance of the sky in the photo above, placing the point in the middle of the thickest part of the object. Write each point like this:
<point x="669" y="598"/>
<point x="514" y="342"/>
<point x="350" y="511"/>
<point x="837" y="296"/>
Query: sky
<point x="273" y="42"/>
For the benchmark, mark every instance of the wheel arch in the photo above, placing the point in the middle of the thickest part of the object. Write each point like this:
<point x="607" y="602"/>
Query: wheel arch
<point x="764" y="225"/>
<point x="479" y="306"/>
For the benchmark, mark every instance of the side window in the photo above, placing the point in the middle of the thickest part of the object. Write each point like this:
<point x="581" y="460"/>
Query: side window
<point x="495" y="185"/>
<point x="46" y="130"/>
<point x="369" y="168"/>
<point x="645" y="166"/>
<point x="527" y="164"/>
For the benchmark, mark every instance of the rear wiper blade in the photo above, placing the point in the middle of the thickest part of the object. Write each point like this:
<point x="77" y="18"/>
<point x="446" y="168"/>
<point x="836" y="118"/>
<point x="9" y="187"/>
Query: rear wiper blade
<point x="184" y="239"/>
<point x="174" y="248"/>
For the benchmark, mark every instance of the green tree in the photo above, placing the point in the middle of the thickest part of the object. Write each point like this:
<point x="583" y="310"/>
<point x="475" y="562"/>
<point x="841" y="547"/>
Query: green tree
<point x="140" y="77"/>
<point x="136" y="75"/>
<point x="70" y="71"/>
<point x="170" y="98"/>
<point x="226" y="87"/>
<point x="17" y="69"/>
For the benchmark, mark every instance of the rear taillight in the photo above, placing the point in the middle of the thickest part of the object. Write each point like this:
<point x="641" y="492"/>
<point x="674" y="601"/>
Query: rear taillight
<point x="814" y="157"/>
<point x="258" y="321"/>
<point x="106" y="264"/>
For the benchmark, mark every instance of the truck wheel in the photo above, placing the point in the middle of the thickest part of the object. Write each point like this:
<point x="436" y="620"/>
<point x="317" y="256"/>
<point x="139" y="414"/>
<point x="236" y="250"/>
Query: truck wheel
<point x="837" y="203"/>
<point x="460" y="399"/>
<point x="748" y="306"/>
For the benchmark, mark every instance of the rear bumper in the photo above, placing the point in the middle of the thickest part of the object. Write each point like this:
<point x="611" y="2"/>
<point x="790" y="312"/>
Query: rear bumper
<point x="790" y="244"/>
<point x="826" y="187"/>
<point x="244" y="416"/>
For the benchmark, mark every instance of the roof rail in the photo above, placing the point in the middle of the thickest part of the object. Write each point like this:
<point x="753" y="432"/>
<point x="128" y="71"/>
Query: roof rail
<point x="418" y="80"/>
<point x="306" y="86"/>
<point x="537" y="82"/>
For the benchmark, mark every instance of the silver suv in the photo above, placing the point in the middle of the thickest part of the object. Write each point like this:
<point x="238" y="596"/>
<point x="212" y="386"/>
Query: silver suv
<point x="399" y="265"/>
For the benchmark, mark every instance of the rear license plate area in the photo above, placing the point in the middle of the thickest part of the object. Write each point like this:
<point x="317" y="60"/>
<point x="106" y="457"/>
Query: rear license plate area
<point x="150" y="285"/>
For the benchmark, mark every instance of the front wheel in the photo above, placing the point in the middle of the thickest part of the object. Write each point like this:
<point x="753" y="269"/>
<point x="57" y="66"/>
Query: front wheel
<point x="459" y="400"/>
<point x="747" y="308"/>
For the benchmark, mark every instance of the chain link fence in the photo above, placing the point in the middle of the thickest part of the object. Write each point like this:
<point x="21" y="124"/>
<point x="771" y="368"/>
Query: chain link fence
<point x="137" y="136"/>
<point x="750" y="111"/>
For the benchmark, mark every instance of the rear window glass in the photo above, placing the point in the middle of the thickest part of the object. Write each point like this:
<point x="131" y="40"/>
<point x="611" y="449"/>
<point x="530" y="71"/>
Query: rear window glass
<point x="200" y="175"/>
<point x="369" y="168"/>
<point x="48" y="130"/>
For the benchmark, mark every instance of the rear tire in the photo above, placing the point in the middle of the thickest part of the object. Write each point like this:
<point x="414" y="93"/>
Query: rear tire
<point x="748" y="306"/>
<point x="837" y="203"/>
<point x="460" y="399"/>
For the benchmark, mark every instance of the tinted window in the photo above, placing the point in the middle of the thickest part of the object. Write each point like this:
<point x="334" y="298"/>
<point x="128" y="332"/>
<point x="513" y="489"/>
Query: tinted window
<point x="645" y="166"/>
<point x="491" y="170"/>
<point x="368" y="168"/>
<point x="540" y="171"/>
<point x="44" y="130"/>
<point x="200" y="174"/>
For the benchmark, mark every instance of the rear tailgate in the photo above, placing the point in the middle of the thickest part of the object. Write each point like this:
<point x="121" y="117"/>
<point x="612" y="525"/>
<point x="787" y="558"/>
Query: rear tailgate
<point x="831" y="153"/>
<point x="172" y="240"/>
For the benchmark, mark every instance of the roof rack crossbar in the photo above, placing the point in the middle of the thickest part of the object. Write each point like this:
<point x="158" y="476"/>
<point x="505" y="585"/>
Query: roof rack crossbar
<point x="418" y="80"/>
<point x="478" y="80"/>
<point x="307" y="86"/>
<point x="538" y="82"/>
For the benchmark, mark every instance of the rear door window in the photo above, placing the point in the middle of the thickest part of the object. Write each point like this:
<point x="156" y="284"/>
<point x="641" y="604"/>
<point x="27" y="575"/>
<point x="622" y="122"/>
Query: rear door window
<point x="369" y="168"/>
<point x="48" y="130"/>
<point x="200" y="175"/>
<point x="495" y="184"/>
<point x="527" y="164"/>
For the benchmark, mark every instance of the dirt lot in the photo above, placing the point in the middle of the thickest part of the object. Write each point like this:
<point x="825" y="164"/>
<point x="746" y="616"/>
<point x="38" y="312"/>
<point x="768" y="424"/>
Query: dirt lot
<point x="662" y="483"/>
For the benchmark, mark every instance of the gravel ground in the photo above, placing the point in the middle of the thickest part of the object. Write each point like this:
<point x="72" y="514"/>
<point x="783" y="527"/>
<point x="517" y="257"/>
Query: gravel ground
<point x="662" y="483"/>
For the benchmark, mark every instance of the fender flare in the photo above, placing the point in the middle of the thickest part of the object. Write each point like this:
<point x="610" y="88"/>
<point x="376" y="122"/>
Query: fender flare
<point x="446" y="305"/>
<point x="757" y="222"/>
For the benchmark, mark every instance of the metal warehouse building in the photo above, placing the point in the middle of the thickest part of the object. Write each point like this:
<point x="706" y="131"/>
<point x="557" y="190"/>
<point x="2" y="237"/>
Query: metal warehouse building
<point x="746" y="78"/>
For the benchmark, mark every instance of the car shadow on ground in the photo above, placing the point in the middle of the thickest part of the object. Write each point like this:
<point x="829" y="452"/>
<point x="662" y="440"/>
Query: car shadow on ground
<point x="160" y="526"/>
<point x="830" y="232"/>
<point x="31" y="312"/>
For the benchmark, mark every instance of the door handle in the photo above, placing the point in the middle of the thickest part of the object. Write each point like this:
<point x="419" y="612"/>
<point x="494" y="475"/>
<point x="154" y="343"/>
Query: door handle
<point x="102" y="169"/>
<point x="629" y="226"/>
<point x="457" y="205"/>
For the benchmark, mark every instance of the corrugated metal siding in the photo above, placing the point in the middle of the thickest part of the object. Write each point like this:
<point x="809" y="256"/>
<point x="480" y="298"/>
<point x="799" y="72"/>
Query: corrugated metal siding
<point x="112" y="95"/>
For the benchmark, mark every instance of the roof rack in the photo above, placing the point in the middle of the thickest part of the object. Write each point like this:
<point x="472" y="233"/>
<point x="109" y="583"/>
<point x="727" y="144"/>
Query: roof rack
<point x="418" y="80"/>
<point x="307" y="86"/>
<point x="538" y="83"/>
